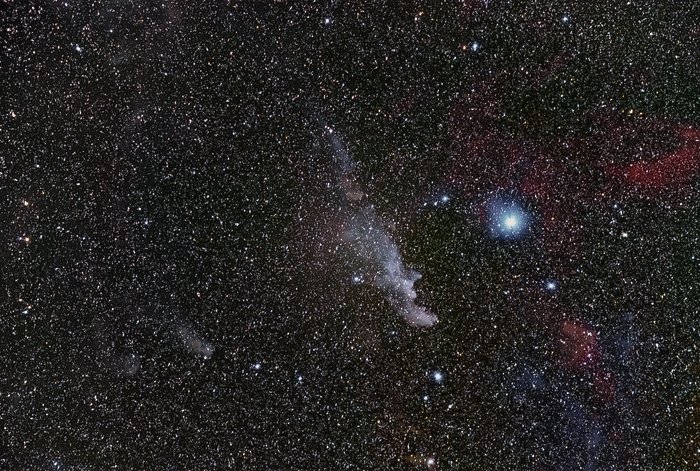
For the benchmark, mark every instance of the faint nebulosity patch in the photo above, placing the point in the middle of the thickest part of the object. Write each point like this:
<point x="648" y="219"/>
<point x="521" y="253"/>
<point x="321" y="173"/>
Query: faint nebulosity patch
<point x="193" y="342"/>
<point x="127" y="365"/>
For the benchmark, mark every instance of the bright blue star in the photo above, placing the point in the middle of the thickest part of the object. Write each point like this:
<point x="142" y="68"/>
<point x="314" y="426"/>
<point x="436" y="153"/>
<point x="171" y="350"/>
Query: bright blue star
<point x="507" y="219"/>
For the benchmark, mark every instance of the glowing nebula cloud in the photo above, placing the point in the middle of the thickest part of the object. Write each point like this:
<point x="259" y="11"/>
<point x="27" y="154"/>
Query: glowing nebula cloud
<point x="371" y="244"/>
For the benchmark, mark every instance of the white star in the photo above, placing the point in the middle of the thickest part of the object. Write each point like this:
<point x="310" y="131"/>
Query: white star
<point x="511" y="222"/>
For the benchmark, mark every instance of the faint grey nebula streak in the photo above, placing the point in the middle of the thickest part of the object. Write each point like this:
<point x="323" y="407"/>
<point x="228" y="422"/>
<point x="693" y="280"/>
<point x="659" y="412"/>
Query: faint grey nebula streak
<point x="369" y="240"/>
<point x="193" y="342"/>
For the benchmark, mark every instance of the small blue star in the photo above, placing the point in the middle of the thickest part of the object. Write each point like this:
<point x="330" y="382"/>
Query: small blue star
<point x="438" y="376"/>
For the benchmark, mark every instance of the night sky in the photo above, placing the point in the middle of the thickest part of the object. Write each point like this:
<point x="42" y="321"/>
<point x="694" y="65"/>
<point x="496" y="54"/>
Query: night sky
<point x="349" y="235"/>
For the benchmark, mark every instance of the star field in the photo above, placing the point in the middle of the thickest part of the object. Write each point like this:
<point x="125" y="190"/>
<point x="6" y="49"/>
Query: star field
<point x="455" y="235"/>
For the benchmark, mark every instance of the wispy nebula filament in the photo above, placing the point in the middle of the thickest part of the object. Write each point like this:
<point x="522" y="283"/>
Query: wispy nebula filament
<point x="371" y="243"/>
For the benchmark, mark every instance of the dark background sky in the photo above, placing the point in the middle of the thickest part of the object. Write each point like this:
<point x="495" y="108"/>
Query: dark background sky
<point x="172" y="295"/>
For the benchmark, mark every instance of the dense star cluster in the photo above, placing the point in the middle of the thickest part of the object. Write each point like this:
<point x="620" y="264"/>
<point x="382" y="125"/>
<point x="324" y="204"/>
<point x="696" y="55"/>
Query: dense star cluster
<point x="357" y="235"/>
